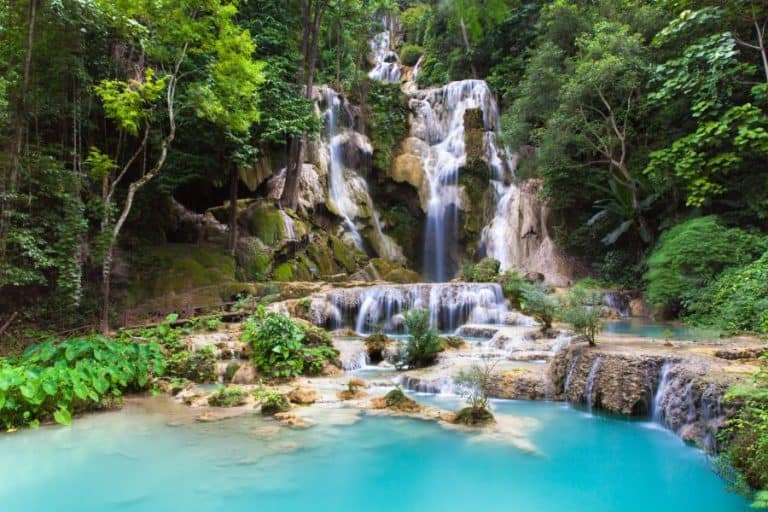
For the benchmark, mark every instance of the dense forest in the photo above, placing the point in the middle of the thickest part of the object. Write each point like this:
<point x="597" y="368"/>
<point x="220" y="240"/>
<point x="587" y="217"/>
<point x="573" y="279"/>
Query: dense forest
<point x="187" y="156"/>
<point x="645" y="122"/>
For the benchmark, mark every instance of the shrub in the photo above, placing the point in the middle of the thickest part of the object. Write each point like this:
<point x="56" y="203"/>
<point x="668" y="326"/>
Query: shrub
<point x="485" y="271"/>
<point x="423" y="343"/>
<point x="56" y="378"/>
<point x="272" y="402"/>
<point x="513" y="287"/>
<point x="539" y="304"/>
<point x="583" y="309"/>
<point x="737" y="300"/>
<point x="475" y="385"/>
<point x="692" y="254"/>
<point x="227" y="397"/>
<point x="283" y="349"/>
<point x="410" y="54"/>
<point x="197" y="366"/>
<point x="746" y="437"/>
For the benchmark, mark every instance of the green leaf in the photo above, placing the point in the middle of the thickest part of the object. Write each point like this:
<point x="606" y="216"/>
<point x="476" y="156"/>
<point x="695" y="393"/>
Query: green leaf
<point x="63" y="416"/>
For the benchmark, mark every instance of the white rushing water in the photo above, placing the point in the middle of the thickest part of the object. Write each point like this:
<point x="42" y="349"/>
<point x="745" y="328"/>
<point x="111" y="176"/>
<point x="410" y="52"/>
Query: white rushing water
<point x="439" y="122"/>
<point x="590" y="391"/>
<point x="347" y="189"/>
<point x="450" y="305"/>
<point x="657" y="409"/>
<point x="386" y="66"/>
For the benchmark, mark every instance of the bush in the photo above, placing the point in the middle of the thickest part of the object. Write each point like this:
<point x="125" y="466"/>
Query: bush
<point x="513" y="287"/>
<point x="410" y="54"/>
<point x="423" y="343"/>
<point x="283" y="349"/>
<point x="737" y="300"/>
<point x="539" y="304"/>
<point x="475" y="386"/>
<point x="398" y="400"/>
<point x="583" y="309"/>
<point x="55" y="379"/>
<point x="272" y="402"/>
<point x="692" y="254"/>
<point x="197" y="366"/>
<point x="227" y="397"/>
<point x="746" y="437"/>
<point x="485" y="271"/>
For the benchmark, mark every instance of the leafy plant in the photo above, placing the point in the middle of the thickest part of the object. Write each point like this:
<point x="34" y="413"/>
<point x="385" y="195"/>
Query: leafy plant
<point x="583" y="308"/>
<point x="410" y="54"/>
<point x="539" y="304"/>
<point x="230" y="396"/>
<point x="55" y="379"/>
<point x="691" y="255"/>
<point x="476" y="385"/>
<point x="283" y="349"/>
<point x="423" y="343"/>
<point x="272" y="401"/>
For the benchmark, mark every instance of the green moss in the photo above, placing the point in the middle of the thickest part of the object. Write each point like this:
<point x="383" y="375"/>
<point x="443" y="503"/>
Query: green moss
<point x="403" y="228"/>
<point x="264" y="221"/>
<point x="387" y="121"/>
<point x="284" y="272"/>
<point x="474" y="417"/>
<point x="160" y="270"/>
<point x="227" y="397"/>
<point x="343" y="254"/>
<point x="391" y="271"/>
<point x="474" y="178"/>
<point x="473" y="135"/>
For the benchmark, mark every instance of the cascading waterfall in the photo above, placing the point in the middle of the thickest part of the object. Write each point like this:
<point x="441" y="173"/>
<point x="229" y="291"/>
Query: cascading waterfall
<point x="338" y="187"/>
<point x="450" y="305"/>
<point x="346" y="188"/>
<point x="289" y="224"/>
<point x="657" y="409"/>
<point x="588" y="394"/>
<point x="439" y="122"/>
<point x="386" y="67"/>
<point x="569" y="375"/>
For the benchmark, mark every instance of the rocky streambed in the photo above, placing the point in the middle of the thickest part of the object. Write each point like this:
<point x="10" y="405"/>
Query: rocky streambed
<point x="679" y="384"/>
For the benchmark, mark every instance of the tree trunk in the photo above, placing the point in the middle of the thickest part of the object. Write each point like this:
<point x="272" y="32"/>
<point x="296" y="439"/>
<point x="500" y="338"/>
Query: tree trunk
<point x="8" y="189"/>
<point x="233" y="182"/>
<point x="761" y="45"/>
<point x="106" y="271"/>
<point x="468" y="47"/>
<point x="312" y="13"/>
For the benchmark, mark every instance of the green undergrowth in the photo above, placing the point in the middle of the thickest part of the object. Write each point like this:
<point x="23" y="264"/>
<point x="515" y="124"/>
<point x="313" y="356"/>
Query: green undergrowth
<point x="284" y="349"/>
<point x="58" y="378"/>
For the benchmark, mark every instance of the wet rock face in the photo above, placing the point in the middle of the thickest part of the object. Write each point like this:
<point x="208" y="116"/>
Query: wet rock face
<point x="521" y="385"/>
<point x="685" y="395"/>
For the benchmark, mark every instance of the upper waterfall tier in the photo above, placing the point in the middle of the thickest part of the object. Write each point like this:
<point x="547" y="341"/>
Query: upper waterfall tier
<point x="386" y="67"/>
<point x="450" y="305"/>
<point x="438" y="122"/>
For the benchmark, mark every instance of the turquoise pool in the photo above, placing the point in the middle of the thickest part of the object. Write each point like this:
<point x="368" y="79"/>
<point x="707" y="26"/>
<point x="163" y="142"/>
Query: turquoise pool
<point x="647" y="328"/>
<point x="134" y="460"/>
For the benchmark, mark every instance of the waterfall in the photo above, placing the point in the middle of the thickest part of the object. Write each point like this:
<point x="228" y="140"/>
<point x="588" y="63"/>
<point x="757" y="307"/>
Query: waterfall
<point x="290" y="226"/>
<point x="569" y="375"/>
<point x="339" y="188"/>
<point x="347" y="190"/>
<point x="386" y="67"/>
<point x="450" y="305"/>
<point x="591" y="382"/>
<point x="617" y="301"/>
<point x="439" y="122"/>
<point x="657" y="409"/>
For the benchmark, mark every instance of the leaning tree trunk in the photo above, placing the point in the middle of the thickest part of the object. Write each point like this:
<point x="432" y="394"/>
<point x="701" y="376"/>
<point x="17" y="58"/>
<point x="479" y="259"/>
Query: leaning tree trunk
<point x="233" y="182"/>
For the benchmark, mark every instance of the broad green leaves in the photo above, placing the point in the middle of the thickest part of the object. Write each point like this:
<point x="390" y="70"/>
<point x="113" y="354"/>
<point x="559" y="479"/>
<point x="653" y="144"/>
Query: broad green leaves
<point x="130" y="102"/>
<point x="56" y="378"/>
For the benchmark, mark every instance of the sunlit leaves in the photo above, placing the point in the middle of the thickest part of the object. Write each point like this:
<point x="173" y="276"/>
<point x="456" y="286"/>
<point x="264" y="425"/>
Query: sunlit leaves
<point x="130" y="102"/>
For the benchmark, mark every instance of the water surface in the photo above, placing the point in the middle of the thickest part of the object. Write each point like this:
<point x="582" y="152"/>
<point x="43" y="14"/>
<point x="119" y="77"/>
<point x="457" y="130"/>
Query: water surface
<point x="133" y="460"/>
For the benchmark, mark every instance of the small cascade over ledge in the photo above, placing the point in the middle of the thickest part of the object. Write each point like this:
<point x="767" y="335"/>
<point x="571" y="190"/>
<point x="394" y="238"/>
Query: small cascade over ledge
<point x="383" y="306"/>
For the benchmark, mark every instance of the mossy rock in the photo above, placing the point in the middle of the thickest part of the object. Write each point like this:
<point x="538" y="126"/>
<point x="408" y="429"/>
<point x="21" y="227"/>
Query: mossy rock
<point x="162" y="270"/>
<point x="393" y="272"/>
<point x="376" y="345"/>
<point x="343" y="254"/>
<point x="274" y="404"/>
<point x="472" y="417"/>
<point x="322" y="256"/>
<point x="254" y="260"/>
<point x="284" y="272"/>
<point x="398" y="401"/>
<point x="227" y="397"/>
<point x="264" y="221"/>
<point x="473" y="134"/>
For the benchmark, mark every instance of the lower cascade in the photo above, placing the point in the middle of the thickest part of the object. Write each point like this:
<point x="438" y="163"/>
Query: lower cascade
<point x="450" y="305"/>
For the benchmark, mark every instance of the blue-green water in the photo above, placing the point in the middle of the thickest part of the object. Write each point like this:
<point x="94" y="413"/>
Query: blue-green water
<point x="134" y="461"/>
<point x="646" y="328"/>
